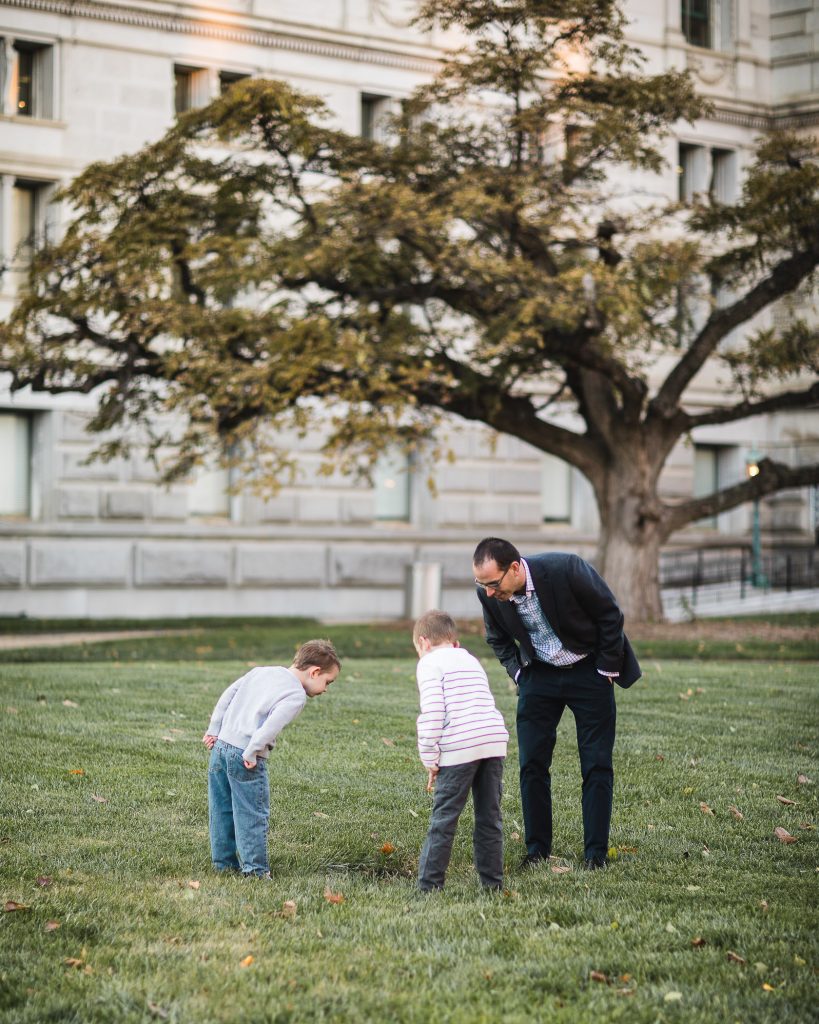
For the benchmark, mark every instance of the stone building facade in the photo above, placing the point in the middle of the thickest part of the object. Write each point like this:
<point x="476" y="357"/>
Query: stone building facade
<point x="87" y="80"/>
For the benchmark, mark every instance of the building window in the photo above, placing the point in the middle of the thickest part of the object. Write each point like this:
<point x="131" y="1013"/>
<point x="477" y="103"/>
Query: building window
<point x="32" y="223"/>
<point x="15" y="464"/>
<point x="229" y="78"/>
<point x="723" y="186"/>
<point x="696" y="22"/>
<point x="191" y="88"/>
<point x="702" y="170"/>
<point x="555" y="490"/>
<point x="706" y="476"/>
<point x="29" y="68"/>
<point x="392" y="480"/>
<point x="208" y="495"/>
<point x="374" y="113"/>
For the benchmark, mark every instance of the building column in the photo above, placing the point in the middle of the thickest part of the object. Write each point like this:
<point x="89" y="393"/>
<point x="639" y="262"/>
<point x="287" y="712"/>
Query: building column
<point x="6" y="237"/>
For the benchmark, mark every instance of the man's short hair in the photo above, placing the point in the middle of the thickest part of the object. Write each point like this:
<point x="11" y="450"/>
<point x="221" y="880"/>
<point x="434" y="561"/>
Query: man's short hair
<point x="493" y="549"/>
<point x="437" y="626"/>
<point x="317" y="652"/>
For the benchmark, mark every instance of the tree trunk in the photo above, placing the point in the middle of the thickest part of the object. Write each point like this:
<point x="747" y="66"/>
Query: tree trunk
<point x="632" y="530"/>
<point x="632" y="570"/>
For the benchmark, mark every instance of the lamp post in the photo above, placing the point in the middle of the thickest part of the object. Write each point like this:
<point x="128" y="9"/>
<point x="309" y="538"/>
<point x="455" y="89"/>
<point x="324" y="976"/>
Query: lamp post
<point x="758" y="578"/>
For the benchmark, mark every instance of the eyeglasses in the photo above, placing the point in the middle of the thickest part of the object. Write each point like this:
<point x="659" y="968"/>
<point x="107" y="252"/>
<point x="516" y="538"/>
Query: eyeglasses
<point x="495" y="583"/>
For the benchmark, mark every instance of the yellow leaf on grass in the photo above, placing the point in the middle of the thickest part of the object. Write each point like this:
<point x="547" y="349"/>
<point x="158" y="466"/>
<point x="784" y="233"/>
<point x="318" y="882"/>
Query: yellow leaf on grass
<point x="10" y="906"/>
<point x="289" y="908"/>
<point x="734" y="958"/>
<point x="76" y="771"/>
<point x="705" y="808"/>
<point x="386" y="742"/>
<point x="193" y="884"/>
<point x="333" y="897"/>
<point x="51" y="926"/>
<point x="248" y="960"/>
<point x="767" y="988"/>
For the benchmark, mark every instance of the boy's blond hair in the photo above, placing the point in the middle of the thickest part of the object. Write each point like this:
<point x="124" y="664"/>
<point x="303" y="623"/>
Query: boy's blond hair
<point x="437" y="626"/>
<point x="317" y="652"/>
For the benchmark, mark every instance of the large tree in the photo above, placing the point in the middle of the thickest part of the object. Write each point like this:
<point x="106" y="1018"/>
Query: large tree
<point x="486" y="259"/>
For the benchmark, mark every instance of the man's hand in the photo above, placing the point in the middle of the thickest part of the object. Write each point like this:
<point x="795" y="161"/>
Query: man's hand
<point x="208" y="739"/>
<point x="431" y="773"/>
<point x="250" y="765"/>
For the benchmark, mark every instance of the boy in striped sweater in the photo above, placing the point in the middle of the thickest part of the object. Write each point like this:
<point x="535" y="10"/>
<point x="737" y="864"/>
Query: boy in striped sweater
<point x="462" y="742"/>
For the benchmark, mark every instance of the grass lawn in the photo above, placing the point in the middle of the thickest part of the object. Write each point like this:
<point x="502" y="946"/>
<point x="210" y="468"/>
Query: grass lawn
<point x="104" y="799"/>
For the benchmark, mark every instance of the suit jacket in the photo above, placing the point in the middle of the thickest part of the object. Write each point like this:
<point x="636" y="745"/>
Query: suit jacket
<point x="581" y="610"/>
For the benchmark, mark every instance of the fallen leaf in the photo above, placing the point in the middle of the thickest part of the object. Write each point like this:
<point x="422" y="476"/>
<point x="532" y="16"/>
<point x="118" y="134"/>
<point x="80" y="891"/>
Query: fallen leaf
<point x="515" y="836"/>
<point x="44" y="881"/>
<point x="289" y="908"/>
<point x="767" y="988"/>
<point x="386" y="742"/>
<point x="333" y="897"/>
<point x="193" y="884"/>
<point x="736" y="812"/>
<point x="625" y="977"/>
<point x="783" y="835"/>
<point x="76" y="771"/>
<point x="320" y="814"/>
<point x="698" y="942"/>
<point x="73" y="961"/>
<point x="99" y="799"/>
<point x="764" y="905"/>
<point x="672" y="997"/>
<point x="705" y="808"/>
<point x="806" y="825"/>
<point x="169" y="739"/>
<point x="786" y="802"/>
<point x="248" y="960"/>
<point x="70" y="704"/>
<point x="387" y="849"/>
<point x="803" y="780"/>
<point x="560" y="869"/>
<point x="599" y="976"/>
<point x="693" y="762"/>
<point x="51" y="926"/>
<point x="158" y="1011"/>
<point x="684" y="696"/>
<point x="626" y="991"/>
<point x="659" y="757"/>
<point x="10" y="906"/>
<point x="734" y="958"/>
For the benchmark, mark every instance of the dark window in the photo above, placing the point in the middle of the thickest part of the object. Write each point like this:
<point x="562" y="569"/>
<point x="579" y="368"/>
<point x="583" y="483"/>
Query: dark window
<point x="696" y="22"/>
<point x="183" y="89"/>
<point x="25" y="82"/>
<point x="229" y="78"/>
<point x="374" y="110"/>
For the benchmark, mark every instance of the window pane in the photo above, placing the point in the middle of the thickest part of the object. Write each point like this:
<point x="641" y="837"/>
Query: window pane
<point x="182" y="90"/>
<point x="25" y="83"/>
<point x="723" y="175"/>
<point x="391" y="479"/>
<point x="228" y="78"/>
<point x="374" y="110"/>
<point x="706" y="476"/>
<point x="15" y="462"/>
<point x="696" y="22"/>
<point x="556" y="490"/>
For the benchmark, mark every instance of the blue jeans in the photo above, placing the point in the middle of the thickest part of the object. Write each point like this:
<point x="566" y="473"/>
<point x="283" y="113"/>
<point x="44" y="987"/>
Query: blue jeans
<point x="453" y="784"/>
<point x="238" y="811"/>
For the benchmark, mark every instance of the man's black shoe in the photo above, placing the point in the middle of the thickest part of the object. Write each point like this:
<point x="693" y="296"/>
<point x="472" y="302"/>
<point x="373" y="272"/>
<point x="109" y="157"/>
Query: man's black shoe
<point x="531" y="860"/>
<point x="595" y="864"/>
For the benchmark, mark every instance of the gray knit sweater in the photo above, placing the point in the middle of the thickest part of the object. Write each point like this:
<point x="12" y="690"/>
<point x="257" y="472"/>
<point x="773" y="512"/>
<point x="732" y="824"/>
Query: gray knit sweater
<point x="253" y="711"/>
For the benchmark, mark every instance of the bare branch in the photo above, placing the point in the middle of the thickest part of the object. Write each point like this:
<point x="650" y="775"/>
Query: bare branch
<point x="786" y="400"/>
<point x="772" y="476"/>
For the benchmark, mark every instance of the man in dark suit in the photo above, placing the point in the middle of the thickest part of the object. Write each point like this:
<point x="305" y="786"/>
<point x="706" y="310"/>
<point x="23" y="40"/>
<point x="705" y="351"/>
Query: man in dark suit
<point x="557" y="630"/>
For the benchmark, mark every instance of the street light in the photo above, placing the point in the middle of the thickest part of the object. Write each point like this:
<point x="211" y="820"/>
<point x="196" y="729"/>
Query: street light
<point x="758" y="578"/>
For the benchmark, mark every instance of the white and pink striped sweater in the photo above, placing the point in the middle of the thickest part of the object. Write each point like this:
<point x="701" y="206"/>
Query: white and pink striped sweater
<point x="459" y="721"/>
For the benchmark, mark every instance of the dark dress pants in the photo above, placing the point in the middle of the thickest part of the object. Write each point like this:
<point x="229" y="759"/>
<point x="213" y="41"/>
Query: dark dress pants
<point x="545" y="690"/>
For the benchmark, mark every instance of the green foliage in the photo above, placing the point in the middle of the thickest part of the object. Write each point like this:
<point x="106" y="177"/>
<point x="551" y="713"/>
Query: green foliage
<point x="257" y="272"/>
<point x="151" y="947"/>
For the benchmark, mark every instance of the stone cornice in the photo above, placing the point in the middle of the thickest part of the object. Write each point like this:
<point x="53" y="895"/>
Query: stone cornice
<point x="222" y="29"/>
<point x="770" y="120"/>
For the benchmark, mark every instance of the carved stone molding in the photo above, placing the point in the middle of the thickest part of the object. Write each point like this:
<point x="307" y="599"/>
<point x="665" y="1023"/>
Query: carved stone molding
<point x="223" y="30"/>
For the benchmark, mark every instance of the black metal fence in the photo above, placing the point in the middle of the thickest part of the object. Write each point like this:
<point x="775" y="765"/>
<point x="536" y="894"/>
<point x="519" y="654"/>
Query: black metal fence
<point x="779" y="568"/>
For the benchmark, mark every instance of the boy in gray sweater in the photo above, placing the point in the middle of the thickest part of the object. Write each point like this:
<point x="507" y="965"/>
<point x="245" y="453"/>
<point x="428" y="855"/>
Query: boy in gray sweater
<point x="243" y="728"/>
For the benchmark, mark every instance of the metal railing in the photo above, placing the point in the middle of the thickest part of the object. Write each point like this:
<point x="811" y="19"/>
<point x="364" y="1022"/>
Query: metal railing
<point x="781" y="568"/>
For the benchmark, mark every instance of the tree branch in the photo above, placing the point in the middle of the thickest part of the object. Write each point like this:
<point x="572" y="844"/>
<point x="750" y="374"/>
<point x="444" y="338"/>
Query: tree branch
<point x="772" y="476"/>
<point x="786" y="400"/>
<point x="784" y="278"/>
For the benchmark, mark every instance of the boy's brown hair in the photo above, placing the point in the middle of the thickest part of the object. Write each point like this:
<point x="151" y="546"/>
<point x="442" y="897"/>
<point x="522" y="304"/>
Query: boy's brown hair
<point x="437" y="626"/>
<point x="317" y="652"/>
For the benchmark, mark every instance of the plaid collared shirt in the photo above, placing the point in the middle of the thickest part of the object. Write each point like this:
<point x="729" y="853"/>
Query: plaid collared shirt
<point x="545" y="641"/>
